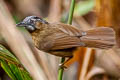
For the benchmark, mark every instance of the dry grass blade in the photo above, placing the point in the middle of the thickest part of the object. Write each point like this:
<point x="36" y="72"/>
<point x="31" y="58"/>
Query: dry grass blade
<point x="55" y="10"/>
<point x="25" y="11"/>
<point x="48" y="69"/>
<point x="94" y="71"/>
<point x="18" y="44"/>
<point x="85" y="64"/>
<point x="110" y="58"/>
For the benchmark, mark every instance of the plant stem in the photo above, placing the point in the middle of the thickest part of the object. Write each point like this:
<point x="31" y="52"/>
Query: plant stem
<point x="60" y="73"/>
<point x="71" y="12"/>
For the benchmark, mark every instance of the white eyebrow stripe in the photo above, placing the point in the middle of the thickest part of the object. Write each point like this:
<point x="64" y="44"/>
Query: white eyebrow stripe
<point x="28" y="18"/>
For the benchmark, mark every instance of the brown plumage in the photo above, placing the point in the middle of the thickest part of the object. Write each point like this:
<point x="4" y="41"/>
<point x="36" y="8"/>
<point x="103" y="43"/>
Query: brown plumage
<point x="61" y="39"/>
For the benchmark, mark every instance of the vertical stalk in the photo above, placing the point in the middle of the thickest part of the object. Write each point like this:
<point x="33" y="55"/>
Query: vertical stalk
<point x="60" y="73"/>
<point x="71" y="12"/>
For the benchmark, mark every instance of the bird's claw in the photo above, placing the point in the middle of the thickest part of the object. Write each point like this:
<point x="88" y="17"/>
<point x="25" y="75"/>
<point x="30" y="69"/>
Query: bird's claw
<point x="62" y="66"/>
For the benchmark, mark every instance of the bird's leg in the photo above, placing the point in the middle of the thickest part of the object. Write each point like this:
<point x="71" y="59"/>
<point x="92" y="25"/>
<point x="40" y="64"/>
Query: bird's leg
<point x="66" y="63"/>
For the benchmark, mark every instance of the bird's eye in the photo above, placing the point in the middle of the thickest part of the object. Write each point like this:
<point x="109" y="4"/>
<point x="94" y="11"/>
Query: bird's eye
<point x="31" y="21"/>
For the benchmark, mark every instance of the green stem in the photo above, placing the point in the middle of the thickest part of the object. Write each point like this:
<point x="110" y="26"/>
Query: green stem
<point x="71" y="12"/>
<point x="60" y="73"/>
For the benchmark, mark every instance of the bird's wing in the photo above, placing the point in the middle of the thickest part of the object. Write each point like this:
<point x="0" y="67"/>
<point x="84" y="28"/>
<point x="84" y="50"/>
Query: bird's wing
<point x="66" y="37"/>
<point x="71" y="30"/>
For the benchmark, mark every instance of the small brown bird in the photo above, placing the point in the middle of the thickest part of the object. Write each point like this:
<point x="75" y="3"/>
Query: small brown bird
<point x="62" y="39"/>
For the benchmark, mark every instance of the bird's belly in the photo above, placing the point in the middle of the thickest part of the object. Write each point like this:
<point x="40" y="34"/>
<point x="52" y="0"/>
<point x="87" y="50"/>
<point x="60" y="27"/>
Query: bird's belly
<point x="62" y="53"/>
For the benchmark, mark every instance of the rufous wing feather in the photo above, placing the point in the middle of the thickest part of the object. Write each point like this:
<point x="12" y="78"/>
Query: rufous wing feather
<point x="101" y="37"/>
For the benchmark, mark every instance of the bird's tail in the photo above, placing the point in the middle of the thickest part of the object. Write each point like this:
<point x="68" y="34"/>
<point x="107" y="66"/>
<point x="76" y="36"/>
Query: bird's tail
<point x="101" y="37"/>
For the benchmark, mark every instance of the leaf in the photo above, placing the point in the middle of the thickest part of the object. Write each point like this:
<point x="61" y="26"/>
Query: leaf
<point x="12" y="67"/>
<point x="7" y="55"/>
<point x="16" y="71"/>
<point x="26" y="75"/>
<point x="20" y="73"/>
<point x="5" y="66"/>
<point x="83" y="7"/>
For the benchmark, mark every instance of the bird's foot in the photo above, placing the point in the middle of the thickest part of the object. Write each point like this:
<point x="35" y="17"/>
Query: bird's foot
<point x="62" y="66"/>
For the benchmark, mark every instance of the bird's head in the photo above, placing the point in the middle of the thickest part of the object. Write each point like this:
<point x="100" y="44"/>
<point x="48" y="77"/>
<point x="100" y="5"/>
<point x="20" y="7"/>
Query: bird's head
<point x="31" y="23"/>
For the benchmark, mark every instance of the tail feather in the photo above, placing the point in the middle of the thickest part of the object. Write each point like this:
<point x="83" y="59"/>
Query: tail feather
<point x="101" y="37"/>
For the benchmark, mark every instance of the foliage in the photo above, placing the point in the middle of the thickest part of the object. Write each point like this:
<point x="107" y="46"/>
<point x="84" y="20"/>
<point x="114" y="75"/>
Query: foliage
<point x="12" y="66"/>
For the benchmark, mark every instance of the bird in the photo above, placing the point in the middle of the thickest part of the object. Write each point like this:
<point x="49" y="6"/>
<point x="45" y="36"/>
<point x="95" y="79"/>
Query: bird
<point x="62" y="40"/>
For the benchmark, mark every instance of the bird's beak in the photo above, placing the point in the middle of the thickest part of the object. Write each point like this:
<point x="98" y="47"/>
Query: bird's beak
<point x="20" y="24"/>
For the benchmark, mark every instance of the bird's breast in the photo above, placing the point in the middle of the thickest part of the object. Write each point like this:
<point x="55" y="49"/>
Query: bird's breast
<point x="42" y="38"/>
